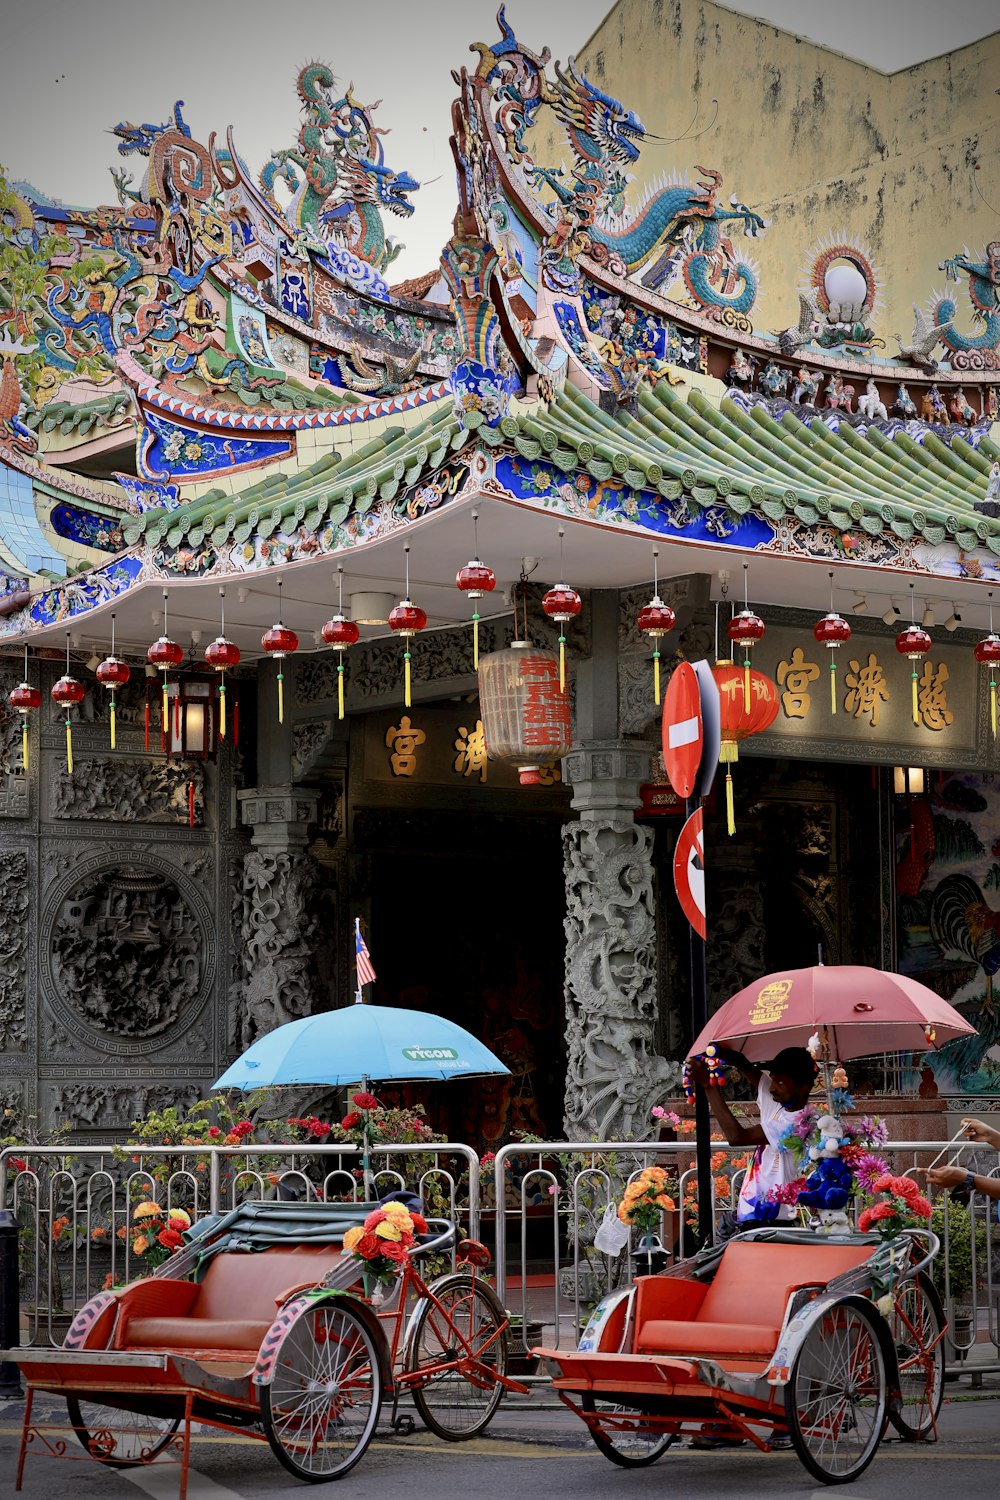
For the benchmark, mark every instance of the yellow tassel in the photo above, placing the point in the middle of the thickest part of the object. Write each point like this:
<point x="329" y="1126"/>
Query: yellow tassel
<point x="475" y="642"/>
<point x="340" y="690"/>
<point x="406" y="679"/>
<point x="730" y="809"/>
<point x="166" y="715"/>
<point x="729" y="750"/>
<point x="993" y="713"/>
<point x="114" y="742"/>
<point x="281" y="699"/>
<point x="69" y="747"/>
<point x="833" y="686"/>
<point x="656" y="677"/>
<point x="222" y="709"/>
<point x="24" y="743"/>
<point x="562" y="663"/>
<point x="746" y="683"/>
<point x="916" y="711"/>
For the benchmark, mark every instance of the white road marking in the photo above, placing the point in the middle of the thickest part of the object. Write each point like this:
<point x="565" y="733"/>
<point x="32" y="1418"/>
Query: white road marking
<point x="161" y="1481"/>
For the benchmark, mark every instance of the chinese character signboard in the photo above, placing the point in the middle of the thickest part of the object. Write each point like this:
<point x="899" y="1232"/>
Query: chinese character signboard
<point x="443" y="746"/>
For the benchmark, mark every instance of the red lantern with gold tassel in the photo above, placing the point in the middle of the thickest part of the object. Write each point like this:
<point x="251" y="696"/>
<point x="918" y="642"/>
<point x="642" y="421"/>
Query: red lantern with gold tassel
<point x="986" y="652"/>
<point x="745" y="630"/>
<point x="741" y="716"/>
<point x="25" y="699"/>
<point x="832" y="632"/>
<point x="280" y="642"/>
<point x="66" y="692"/>
<point x="562" y="604"/>
<point x="112" y="674"/>
<point x="913" y="643"/>
<point x="341" y="634"/>
<point x="655" y="620"/>
<point x="475" y="580"/>
<point x="406" y="620"/>
<point x="223" y="655"/>
<point x="165" y="655"/>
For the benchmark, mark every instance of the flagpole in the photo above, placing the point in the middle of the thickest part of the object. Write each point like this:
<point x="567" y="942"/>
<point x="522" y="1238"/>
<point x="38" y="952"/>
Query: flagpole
<point x="359" y="999"/>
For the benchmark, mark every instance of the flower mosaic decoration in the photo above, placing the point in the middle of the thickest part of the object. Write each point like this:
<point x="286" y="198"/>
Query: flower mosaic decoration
<point x="382" y="1243"/>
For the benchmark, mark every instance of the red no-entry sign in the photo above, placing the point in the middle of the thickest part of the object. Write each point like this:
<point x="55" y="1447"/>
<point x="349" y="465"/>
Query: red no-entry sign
<point x="682" y="730"/>
<point x="689" y="872"/>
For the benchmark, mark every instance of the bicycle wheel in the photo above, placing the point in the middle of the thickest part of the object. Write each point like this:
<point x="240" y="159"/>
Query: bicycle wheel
<point x="467" y="1334"/>
<point x="629" y="1447"/>
<point x="123" y="1439"/>
<point x="915" y="1327"/>
<point x="836" y="1397"/>
<point x="322" y="1404"/>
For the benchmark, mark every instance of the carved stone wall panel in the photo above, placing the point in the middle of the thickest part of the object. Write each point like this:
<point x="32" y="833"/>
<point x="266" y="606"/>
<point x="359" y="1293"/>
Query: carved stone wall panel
<point x="123" y="789"/>
<point x="309" y="736"/>
<point x="279" y="930"/>
<point x="375" y="668"/>
<point x="14" y="784"/>
<point x="613" y="1075"/>
<point x="129" y="956"/>
<point x="15" y="932"/>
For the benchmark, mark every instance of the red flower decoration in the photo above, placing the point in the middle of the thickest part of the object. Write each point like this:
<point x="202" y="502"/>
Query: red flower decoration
<point x="350" y="1120"/>
<point x="364" y="1101"/>
<point x="419" y="1222"/>
<point x="370" y="1245"/>
<point x="169" y="1239"/>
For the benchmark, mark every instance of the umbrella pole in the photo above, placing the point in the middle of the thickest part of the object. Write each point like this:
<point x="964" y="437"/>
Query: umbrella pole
<point x="366" y="1160"/>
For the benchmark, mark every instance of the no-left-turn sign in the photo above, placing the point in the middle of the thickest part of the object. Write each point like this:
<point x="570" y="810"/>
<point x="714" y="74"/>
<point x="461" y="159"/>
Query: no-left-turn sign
<point x="689" y="872"/>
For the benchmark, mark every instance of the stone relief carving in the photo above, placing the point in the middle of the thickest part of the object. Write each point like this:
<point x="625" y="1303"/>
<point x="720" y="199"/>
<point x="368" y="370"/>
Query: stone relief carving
<point x="125" y="951"/>
<point x="13" y="782"/>
<point x="736" y="918"/>
<point x="308" y="739"/>
<point x="130" y="790"/>
<point x="12" y="1099"/>
<point x="14" y="931"/>
<point x="98" y="1104"/>
<point x="376" y="667"/>
<point x="614" y="1076"/>
<point x="279" y="929"/>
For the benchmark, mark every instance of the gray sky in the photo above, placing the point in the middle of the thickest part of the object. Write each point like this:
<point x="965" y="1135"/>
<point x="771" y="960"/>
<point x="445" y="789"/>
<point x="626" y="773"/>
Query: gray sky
<point x="70" y="69"/>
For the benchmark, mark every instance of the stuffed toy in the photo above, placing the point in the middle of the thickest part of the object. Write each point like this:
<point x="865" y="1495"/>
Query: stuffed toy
<point x="828" y="1185"/>
<point x="831" y="1138"/>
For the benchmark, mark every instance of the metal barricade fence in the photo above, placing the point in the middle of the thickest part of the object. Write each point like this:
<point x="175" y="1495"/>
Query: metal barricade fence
<point x="74" y="1204"/>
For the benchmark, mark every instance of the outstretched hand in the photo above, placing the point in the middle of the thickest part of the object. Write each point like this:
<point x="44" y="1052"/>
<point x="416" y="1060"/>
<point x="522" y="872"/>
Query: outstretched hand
<point x="946" y="1177"/>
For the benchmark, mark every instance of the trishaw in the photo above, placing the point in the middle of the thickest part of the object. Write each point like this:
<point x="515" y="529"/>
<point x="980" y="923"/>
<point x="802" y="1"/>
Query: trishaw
<point x="781" y="1332"/>
<point x="261" y="1325"/>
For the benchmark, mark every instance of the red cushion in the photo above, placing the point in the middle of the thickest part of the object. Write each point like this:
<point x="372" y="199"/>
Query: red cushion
<point x="668" y="1336"/>
<point x="242" y="1334"/>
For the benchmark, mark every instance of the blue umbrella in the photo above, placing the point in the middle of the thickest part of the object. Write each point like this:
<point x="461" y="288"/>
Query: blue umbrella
<point x="358" y="1043"/>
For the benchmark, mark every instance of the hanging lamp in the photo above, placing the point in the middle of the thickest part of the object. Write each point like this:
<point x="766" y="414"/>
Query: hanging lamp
<point x="561" y="604"/>
<point x="66" y="692"/>
<point x="476" y="580"/>
<point x="745" y="630"/>
<point x="913" y="643"/>
<point x="280" y="642"/>
<point x="223" y="655"/>
<point x="112" y="673"/>
<point x="832" y="631"/>
<point x="165" y="654"/>
<point x="655" y="619"/>
<point x="340" y="633"/>
<point x="986" y="652"/>
<point x="407" y="619"/>
<point x="25" y="698"/>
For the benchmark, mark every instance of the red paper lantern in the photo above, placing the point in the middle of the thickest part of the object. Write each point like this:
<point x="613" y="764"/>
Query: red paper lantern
<point x="66" y="692"/>
<point x="655" y="619"/>
<point x="832" y="631"/>
<point x="476" y="580"/>
<point x="280" y="642"/>
<point x="25" y="699"/>
<point x="741" y="715"/>
<point x="341" y="634"/>
<point x="112" y="673"/>
<point x="223" y="655"/>
<point x="745" y="630"/>
<point x="561" y="604"/>
<point x="913" y="643"/>
<point x="165" y="654"/>
<point x="407" y="619"/>
<point x="526" y="715"/>
<point x="987" y="654"/>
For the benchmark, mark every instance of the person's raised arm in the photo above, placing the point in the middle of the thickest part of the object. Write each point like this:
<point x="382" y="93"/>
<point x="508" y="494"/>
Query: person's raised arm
<point x="751" y="1072"/>
<point x="736" y="1133"/>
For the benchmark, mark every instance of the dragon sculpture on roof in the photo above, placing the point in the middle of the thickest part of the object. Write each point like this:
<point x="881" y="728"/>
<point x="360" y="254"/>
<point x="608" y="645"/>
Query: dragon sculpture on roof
<point x="981" y="350"/>
<point x="336" y="172"/>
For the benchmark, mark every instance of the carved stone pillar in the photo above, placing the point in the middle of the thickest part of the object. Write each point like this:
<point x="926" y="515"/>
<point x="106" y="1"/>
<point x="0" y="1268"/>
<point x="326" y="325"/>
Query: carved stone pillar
<point x="613" y="1075"/>
<point x="280" y="925"/>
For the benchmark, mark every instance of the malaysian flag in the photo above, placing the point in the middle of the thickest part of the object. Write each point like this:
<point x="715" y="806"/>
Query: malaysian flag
<point x="362" y="958"/>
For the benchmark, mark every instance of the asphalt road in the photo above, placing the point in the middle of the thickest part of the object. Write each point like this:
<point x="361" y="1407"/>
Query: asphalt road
<point x="534" y="1453"/>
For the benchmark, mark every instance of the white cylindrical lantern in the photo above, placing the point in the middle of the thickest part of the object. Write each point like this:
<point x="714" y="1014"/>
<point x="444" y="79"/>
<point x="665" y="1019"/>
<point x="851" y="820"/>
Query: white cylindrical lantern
<point x="526" y="716"/>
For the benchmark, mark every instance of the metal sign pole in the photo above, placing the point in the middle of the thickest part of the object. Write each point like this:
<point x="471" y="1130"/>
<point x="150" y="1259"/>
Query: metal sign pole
<point x="702" y="1115"/>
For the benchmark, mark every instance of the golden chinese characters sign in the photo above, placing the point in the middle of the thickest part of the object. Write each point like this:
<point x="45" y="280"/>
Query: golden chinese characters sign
<point x="874" y="700"/>
<point x="444" y="746"/>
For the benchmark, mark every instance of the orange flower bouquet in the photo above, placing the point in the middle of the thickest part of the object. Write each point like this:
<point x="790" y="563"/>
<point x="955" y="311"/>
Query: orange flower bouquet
<point x="645" y="1200"/>
<point x="156" y="1233"/>
<point x="382" y="1243"/>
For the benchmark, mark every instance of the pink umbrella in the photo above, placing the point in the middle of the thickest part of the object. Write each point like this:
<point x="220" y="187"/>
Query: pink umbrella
<point x="861" y="1010"/>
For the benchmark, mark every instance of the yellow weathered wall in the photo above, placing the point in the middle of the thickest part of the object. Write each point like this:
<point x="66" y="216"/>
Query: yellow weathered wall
<point x="814" y="141"/>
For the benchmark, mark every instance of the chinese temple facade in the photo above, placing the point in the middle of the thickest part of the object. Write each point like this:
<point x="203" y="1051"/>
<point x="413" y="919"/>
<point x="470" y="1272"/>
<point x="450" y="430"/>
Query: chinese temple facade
<point x="241" y="471"/>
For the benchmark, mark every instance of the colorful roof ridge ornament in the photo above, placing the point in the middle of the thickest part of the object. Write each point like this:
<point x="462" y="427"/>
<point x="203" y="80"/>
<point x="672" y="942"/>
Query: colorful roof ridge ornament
<point x="25" y="698"/>
<point x="112" y="673"/>
<point x="832" y="631"/>
<point x="66" y="692"/>
<point x="987" y="654"/>
<point x="165" y="654"/>
<point x="407" y="620"/>
<point x="745" y="630"/>
<point x="279" y="642"/>
<point x="341" y="634"/>
<point x="561" y="604"/>
<point x="476" y="580"/>
<point x="655" y="620"/>
<point x="223" y="655"/>
<point x="913" y="643"/>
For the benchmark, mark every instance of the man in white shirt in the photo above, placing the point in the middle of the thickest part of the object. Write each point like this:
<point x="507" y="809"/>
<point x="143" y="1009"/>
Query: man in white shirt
<point x="782" y="1091"/>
